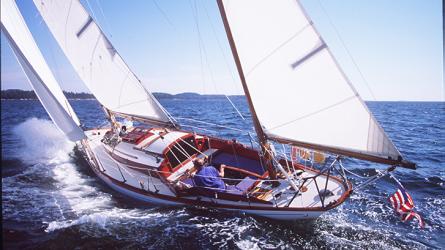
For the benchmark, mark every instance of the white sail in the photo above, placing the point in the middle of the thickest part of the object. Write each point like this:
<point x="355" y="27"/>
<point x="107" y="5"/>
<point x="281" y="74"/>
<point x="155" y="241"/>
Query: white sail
<point x="96" y="61"/>
<point x="37" y="71"/>
<point x="298" y="91"/>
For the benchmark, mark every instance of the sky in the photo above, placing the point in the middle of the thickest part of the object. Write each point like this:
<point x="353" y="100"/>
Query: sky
<point x="390" y="50"/>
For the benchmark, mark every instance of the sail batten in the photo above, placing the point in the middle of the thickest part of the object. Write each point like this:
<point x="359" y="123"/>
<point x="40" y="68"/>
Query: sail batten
<point x="97" y="62"/>
<point x="37" y="71"/>
<point x="309" y="55"/>
<point x="298" y="90"/>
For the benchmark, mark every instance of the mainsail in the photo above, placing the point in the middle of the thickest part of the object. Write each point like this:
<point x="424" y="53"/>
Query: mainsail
<point x="97" y="62"/>
<point x="37" y="71"/>
<point x="298" y="91"/>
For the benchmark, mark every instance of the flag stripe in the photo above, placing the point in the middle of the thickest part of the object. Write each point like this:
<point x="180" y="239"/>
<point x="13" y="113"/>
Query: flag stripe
<point x="403" y="204"/>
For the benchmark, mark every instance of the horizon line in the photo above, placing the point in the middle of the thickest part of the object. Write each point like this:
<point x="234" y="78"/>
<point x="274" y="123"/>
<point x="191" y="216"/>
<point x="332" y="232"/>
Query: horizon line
<point x="224" y="95"/>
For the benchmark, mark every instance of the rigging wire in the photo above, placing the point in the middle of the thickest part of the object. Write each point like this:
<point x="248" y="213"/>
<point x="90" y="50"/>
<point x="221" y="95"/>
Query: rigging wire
<point x="209" y="123"/>
<point x="195" y="18"/>
<point x="91" y="9"/>
<point x="204" y="56"/>
<point x="220" y="47"/>
<point x="163" y="13"/>
<point x="233" y="105"/>
<point x="104" y="18"/>
<point x="347" y="51"/>
<point x="224" y="59"/>
<point x="204" y="50"/>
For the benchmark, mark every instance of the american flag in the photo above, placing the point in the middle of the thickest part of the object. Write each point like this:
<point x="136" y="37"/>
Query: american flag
<point x="403" y="204"/>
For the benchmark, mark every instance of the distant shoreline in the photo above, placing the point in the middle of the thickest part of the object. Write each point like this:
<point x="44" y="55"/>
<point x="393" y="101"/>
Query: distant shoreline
<point x="27" y="95"/>
<point x="18" y="94"/>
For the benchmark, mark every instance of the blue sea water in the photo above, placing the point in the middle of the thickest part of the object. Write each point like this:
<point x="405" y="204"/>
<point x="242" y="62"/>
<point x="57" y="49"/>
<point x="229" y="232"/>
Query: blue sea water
<point x="51" y="199"/>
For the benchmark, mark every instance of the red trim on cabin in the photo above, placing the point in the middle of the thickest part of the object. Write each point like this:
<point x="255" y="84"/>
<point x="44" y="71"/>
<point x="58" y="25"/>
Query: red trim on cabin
<point x="135" y="134"/>
<point x="174" y="142"/>
<point x="145" y="136"/>
<point x="166" y="165"/>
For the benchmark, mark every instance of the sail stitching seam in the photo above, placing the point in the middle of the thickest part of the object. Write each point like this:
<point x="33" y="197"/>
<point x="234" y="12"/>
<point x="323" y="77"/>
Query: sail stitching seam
<point x="278" y="48"/>
<point x="315" y="112"/>
<point x="122" y="86"/>
<point x="130" y="103"/>
<point x="66" y="22"/>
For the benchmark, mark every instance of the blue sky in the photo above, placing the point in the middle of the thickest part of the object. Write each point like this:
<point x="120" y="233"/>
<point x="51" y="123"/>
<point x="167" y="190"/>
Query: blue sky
<point x="180" y="46"/>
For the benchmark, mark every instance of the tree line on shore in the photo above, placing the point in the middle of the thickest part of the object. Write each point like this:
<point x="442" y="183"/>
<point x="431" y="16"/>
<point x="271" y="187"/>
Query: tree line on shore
<point x="16" y="94"/>
<point x="30" y="94"/>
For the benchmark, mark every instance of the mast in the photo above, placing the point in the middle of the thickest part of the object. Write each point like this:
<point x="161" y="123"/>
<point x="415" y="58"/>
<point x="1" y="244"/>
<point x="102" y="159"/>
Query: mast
<point x="265" y="146"/>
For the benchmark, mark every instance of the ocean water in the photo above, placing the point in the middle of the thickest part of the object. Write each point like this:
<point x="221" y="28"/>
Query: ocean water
<point x="52" y="200"/>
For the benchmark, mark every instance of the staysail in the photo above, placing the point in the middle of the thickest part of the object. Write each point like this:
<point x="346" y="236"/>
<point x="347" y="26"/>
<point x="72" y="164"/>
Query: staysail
<point x="97" y="62"/>
<point x="299" y="93"/>
<point x="37" y="71"/>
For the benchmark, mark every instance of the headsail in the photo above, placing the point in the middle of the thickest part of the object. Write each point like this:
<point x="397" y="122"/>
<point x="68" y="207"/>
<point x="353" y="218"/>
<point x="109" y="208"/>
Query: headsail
<point x="37" y="71"/>
<point x="97" y="62"/>
<point x="300" y="94"/>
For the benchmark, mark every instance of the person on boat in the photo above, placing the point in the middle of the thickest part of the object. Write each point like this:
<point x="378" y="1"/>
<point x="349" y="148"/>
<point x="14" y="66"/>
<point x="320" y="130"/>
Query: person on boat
<point x="208" y="176"/>
<point x="123" y="131"/>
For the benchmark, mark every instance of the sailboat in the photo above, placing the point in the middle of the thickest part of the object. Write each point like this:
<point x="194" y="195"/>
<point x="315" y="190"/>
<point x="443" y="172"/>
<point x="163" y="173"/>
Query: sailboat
<point x="275" y="47"/>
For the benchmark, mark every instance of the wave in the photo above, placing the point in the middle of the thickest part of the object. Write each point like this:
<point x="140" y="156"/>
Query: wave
<point x="41" y="141"/>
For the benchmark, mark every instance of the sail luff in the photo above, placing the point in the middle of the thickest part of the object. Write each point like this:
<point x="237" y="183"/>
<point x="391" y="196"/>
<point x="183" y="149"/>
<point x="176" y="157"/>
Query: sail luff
<point x="265" y="147"/>
<point x="260" y="133"/>
<point x="97" y="62"/>
<point x="37" y="71"/>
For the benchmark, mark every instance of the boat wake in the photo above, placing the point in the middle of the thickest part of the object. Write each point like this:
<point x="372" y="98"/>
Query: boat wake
<point x="51" y="188"/>
<point x="42" y="142"/>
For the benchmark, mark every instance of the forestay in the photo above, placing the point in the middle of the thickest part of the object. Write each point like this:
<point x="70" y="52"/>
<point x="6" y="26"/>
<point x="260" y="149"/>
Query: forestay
<point x="298" y="91"/>
<point x="97" y="62"/>
<point x="37" y="71"/>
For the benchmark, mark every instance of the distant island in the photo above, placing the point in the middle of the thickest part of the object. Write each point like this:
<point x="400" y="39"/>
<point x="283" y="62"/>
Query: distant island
<point x="18" y="94"/>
